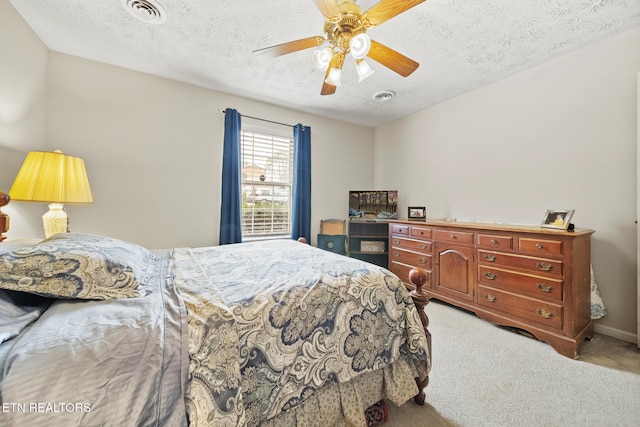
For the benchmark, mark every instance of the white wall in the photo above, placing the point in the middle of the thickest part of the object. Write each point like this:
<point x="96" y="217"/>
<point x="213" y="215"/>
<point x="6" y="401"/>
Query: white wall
<point x="561" y="135"/>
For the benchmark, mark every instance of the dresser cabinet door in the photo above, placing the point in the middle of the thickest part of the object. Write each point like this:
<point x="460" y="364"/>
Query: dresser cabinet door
<point x="456" y="271"/>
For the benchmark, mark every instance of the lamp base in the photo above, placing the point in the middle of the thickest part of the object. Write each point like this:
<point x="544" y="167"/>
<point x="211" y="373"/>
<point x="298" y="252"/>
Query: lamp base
<point x="55" y="221"/>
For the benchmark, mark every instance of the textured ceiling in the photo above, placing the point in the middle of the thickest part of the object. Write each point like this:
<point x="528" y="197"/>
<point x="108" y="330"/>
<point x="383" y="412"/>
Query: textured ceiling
<point x="460" y="45"/>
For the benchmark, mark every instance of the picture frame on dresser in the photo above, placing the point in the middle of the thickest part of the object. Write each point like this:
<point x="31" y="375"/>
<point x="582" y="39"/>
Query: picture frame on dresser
<point x="416" y="212"/>
<point x="557" y="218"/>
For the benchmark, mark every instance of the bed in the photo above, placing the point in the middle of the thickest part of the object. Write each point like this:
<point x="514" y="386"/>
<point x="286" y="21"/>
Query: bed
<point x="98" y="331"/>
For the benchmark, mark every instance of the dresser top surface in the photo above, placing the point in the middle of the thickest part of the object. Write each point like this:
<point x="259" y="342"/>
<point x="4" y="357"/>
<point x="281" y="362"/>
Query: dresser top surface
<point x="494" y="226"/>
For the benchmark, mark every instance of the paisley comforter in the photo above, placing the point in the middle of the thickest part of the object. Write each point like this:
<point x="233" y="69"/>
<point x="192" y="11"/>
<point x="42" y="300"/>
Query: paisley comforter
<point x="275" y="324"/>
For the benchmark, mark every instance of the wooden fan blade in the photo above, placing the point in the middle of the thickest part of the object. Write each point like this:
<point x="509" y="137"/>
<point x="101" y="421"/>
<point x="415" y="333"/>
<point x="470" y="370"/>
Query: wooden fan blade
<point x="392" y="59"/>
<point x="328" y="89"/>
<point x="336" y="62"/>
<point x="387" y="9"/>
<point x="293" y="46"/>
<point x="328" y="8"/>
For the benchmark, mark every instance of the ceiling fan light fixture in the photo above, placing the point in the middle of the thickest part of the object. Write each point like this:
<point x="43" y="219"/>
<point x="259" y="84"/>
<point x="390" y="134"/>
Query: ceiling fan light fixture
<point x="334" y="77"/>
<point x="363" y="69"/>
<point x="322" y="57"/>
<point x="359" y="45"/>
<point x="345" y="26"/>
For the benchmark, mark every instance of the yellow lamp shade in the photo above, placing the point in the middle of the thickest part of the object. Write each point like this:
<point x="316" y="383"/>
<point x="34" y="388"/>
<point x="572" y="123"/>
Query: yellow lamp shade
<point x="52" y="177"/>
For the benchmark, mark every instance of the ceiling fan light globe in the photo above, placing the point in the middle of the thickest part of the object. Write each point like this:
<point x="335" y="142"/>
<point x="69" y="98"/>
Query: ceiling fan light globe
<point x="359" y="45"/>
<point x="334" y="77"/>
<point x="322" y="57"/>
<point x="363" y="69"/>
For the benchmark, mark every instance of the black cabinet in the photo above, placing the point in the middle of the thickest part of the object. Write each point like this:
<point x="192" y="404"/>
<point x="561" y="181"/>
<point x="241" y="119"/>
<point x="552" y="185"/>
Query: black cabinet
<point x="368" y="227"/>
<point x="369" y="241"/>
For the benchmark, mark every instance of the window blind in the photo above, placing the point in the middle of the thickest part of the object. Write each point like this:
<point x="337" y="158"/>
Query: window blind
<point x="267" y="173"/>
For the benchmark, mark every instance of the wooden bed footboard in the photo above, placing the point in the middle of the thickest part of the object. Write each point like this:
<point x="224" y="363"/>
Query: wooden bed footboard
<point x="418" y="278"/>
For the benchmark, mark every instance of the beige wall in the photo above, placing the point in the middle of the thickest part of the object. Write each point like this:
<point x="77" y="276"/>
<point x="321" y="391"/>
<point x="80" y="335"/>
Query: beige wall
<point x="23" y="103"/>
<point x="561" y="135"/>
<point x="153" y="149"/>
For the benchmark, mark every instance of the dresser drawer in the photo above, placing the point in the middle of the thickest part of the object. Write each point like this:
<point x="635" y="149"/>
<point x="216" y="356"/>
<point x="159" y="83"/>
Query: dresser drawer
<point x="531" y="264"/>
<point x="402" y="271"/>
<point x="540" y="312"/>
<point x="540" y="246"/>
<point x="495" y="242"/>
<point x="454" y="236"/>
<point x="400" y="229"/>
<point x="518" y="283"/>
<point x="421" y="232"/>
<point x="411" y="258"/>
<point x="416" y="245"/>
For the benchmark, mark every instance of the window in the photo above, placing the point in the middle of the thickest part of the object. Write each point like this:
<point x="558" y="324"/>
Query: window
<point x="267" y="175"/>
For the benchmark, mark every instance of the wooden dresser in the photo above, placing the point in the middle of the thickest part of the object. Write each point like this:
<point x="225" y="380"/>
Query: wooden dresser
<point x="527" y="277"/>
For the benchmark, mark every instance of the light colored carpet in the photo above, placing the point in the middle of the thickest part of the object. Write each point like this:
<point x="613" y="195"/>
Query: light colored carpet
<point x="485" y="375"/>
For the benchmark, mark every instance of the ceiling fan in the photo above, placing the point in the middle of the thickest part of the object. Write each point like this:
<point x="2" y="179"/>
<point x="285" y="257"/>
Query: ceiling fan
<point x="345" y="28"/>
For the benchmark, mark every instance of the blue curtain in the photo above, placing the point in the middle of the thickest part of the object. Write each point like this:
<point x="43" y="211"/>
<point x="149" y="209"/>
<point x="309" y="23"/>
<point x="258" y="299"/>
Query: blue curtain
<point x="301" y="203"/>
<point x="231" y="209"/>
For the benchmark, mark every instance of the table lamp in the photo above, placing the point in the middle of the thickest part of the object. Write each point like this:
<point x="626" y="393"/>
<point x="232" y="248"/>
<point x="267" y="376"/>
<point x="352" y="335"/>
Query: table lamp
<point x="54" y="178"/>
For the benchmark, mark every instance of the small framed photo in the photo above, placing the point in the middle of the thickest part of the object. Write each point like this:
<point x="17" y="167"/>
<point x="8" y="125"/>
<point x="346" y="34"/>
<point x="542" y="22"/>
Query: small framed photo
<point x="558" y="219"/>
<point x="417" y="212"/>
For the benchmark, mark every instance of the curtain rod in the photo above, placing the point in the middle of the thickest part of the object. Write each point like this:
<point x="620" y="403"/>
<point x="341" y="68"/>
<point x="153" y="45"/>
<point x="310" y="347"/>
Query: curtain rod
<point x="263" y="120"/>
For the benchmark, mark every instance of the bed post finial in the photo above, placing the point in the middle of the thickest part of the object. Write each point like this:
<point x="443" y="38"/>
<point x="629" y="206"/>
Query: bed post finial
<point x="4" y="218"/>
<point x="419" y="278"/>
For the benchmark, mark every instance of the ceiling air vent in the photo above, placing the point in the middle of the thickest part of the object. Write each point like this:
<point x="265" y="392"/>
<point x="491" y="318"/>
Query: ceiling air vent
<point x="383" y="96"/>
<point x="147" y="11"/>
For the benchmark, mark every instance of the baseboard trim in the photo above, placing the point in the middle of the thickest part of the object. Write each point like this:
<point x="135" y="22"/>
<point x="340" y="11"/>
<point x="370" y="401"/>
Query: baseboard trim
<point x="616" y="333"/>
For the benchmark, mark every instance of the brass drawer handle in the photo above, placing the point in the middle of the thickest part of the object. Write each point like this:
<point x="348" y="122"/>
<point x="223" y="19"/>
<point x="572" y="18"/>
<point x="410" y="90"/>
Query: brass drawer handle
<point x="490" y="297"/>
<point x="539" y="245"/>
<point x="396" y="241"/>
<point x="544" y="266"/>
<point x="494" y="242"/>
<point x="544" y="313"/>
<point x="422" y="260"/>
<point x="396" y="254"/>
<point x="489" y="257"/>
<point x="490" y="276"/>
<point x="453" y="236"/>
<point x="544" y="287"/>
<point x="423" y="246"/>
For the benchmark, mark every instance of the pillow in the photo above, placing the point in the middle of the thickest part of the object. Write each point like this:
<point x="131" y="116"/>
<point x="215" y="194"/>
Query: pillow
<point x="82" y="266"/>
